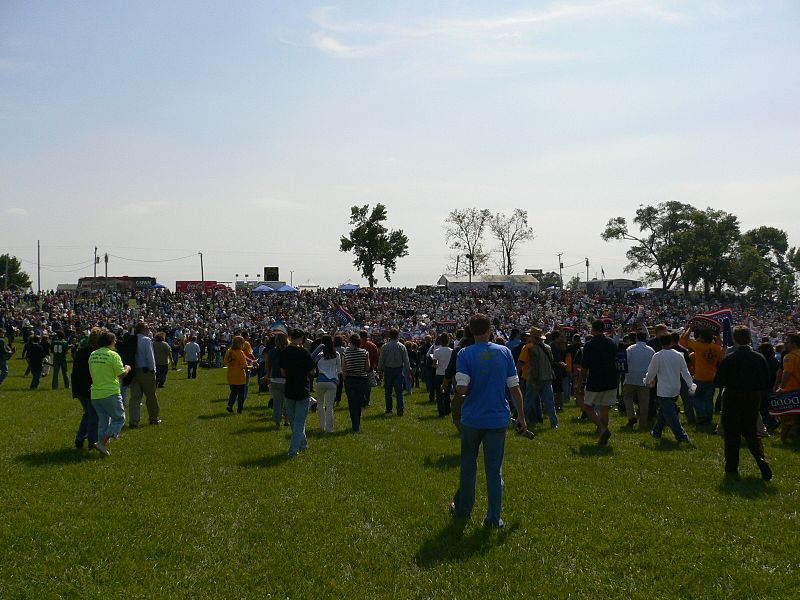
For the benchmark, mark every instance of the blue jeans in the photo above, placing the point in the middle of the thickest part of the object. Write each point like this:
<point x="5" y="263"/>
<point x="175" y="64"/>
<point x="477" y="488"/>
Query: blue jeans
<point x="356" y="389"/>
<point x="537" y="393"/>
<point x="297" y="412"/>
<point x="276" y="389"/>
<point x="494" y="443"/>
<point x="59" y="365"/>
<point x="668" y="415"/>
<point x="87" y="430"/>
<point x="236" y="396"/>
<point x="110" y="416"/>
<point x="704" y="400"/>
<point x="393" y="380"/>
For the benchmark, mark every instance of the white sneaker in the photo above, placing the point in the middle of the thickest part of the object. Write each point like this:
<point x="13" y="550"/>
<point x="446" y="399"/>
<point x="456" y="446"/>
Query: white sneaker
<point x="102" y="448"/>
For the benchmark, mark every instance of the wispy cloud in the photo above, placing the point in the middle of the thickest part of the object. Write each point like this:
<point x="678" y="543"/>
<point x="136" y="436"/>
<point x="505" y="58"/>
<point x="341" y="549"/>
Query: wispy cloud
<point x="344" y="38"/>
<point x="140" y="209"/>
<point x="17" y="212"/>
<point x="330" y="45"/>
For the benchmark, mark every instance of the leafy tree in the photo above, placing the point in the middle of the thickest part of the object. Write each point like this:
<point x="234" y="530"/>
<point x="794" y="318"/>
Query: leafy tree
<point x="510" y="231"/>
<point x="655" y="247"/>
<point x="708" y="245"/>
<point x="764" y="264"/>
<point x="549" y="279"/>
<point x="17" y="278"/>
<point x="373" y="244"/>
<point x="574" y="284"/>
<point x="464" y="229"/>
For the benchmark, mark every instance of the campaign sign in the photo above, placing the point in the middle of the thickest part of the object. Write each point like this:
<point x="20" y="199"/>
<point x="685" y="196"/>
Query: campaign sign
<point x="448" y="326"/>
<point x="787" y="403"/>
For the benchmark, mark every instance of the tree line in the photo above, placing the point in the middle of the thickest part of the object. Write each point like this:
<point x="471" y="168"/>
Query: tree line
<point x="682" y="246"/>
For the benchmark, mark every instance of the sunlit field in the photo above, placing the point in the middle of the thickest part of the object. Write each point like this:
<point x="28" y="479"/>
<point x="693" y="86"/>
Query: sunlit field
<point x="208" y="505"/>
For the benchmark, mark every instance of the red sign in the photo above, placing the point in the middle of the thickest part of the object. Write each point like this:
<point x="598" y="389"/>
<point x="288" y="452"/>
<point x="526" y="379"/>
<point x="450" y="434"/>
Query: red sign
<point x="195" y="286"/>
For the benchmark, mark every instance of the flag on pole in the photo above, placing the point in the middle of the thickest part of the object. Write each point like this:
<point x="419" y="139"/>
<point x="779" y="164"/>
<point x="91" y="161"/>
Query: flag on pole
<point x="602" y="273"/>
<point x="342" y="316"/>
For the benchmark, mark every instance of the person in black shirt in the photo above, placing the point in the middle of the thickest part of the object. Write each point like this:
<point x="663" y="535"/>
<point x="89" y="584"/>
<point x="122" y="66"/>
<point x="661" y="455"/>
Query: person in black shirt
<point x="297" y="367"/>
<point x="599" y="371"/>
<point x="36" y="356"/>
<point x="82" y="391"/>
<point x="745" y="376"/>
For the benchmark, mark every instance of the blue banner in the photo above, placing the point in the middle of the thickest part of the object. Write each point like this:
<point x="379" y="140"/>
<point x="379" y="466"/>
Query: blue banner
<point x="787" y="403"/>
<point x="342" y="316"/>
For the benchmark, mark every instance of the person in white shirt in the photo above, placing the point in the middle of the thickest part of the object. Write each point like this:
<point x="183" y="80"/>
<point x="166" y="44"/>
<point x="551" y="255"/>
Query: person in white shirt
<point x="669" y="366"/>
<point x="633" y="389"/>
<point x="441" y="358"/>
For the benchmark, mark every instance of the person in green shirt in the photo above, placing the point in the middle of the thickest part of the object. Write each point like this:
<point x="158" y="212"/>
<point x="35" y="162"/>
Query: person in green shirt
<point x="59" y="348"/>
<point x="106" y="368"/>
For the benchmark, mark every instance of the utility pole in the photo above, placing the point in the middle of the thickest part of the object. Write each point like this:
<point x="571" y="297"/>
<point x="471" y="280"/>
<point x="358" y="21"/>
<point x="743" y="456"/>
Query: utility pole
<point x="560" y="269"/>
<point x="95" y="261"/>
<point x="291" y="278"/>
<point x="587" y="268"/>
<point x="38" y="267"/>
<point x="202" y="275"/>
<point x="106" y="261"/>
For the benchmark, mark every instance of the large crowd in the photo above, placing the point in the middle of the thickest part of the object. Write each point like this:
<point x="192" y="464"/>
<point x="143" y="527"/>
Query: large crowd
<point x="352" y="341"/>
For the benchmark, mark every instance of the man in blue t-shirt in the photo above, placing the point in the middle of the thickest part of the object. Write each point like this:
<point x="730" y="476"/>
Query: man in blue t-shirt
<point x="483" y="373"/>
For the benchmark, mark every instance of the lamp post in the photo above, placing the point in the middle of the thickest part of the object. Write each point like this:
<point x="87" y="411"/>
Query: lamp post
<point x="291" y="278"/>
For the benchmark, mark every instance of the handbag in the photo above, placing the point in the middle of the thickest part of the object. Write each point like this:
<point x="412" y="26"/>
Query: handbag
<point x="372" y="379"/>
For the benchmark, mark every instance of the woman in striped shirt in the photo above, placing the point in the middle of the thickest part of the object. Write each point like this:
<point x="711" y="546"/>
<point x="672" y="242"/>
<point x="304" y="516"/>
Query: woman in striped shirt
<point x="355" y="368"/>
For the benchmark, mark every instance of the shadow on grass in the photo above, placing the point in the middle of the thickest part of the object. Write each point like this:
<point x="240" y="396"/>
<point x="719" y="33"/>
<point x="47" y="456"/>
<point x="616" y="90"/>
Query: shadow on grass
<point x="221" y="415"/>
<point x="450" y="544"/>
<point x="433" y="417"/>
<point x="380" y="415"/>
<point x="747" y="487"/>
<point x="255" y="429"/>
<point x="442" y="462"/>
<point x="273" y="460"/>
<point x="64" y="456"/>
<point x="215" y="400"/>
<point x="592" y="450"/>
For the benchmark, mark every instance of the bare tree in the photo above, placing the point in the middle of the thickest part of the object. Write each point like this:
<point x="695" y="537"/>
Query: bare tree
<point x="510" y="231"/>
<point x="464" y="230"/>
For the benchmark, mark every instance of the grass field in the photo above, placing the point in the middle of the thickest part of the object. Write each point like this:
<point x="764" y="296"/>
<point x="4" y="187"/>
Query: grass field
<point x="207" y="505"/>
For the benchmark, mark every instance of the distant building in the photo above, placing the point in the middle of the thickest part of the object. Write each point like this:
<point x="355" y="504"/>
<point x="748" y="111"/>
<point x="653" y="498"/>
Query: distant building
<point x="527" y="283"/>
<point x="611" y="285"/>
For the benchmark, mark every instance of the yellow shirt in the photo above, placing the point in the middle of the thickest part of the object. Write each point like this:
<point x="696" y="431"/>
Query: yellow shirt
<point x="791" y="365"/>
<point x="237" y="367"/>
<point x="706" y="359"/>
<point x="105" y="367"/>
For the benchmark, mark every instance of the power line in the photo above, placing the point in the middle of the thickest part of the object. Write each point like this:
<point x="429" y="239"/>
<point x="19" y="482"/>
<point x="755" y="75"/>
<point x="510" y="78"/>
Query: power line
<point x="163" y="260"/>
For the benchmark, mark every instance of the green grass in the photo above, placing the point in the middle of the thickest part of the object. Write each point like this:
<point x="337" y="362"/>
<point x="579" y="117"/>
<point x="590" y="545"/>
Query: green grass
<point x="207" y="505"/>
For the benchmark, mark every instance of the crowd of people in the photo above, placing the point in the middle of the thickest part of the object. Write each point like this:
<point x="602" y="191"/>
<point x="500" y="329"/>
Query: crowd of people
<point x="640" y="354"/>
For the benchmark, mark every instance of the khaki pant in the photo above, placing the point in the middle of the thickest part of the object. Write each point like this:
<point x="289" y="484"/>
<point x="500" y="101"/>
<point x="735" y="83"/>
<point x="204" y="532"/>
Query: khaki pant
<point x="631" y="392"/>
<point x="144" y="382"/>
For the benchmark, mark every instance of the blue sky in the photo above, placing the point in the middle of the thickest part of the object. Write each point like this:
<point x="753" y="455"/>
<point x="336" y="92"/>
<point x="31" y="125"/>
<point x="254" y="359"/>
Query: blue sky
<point x="246" y="130"/>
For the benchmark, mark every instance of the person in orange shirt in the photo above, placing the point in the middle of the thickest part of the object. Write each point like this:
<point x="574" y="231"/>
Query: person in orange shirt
<point x="707" y="356"/>
<point x="236" y="362"/>
<point x="789" y="379"/>
<point x="251" y="360"/>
